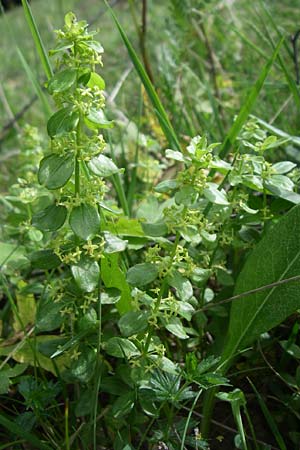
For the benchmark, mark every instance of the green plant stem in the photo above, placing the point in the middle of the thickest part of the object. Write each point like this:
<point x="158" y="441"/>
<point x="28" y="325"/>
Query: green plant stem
<point x="77" y="163"/>
<point x="162" y="292"/>
<point x="189" y="419"/>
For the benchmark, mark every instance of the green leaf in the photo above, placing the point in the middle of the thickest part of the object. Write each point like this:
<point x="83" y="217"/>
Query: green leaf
<point x="50" y="219"/>
<point x="113" y="244"/>
<point x="102" y="166"/>
<point x="37" y="39"/>
<point x="183" y="287"/>
<point x="156" y="103"/>
<point x="48" y="316"/>
<point x="86" y="274"/>
<point x="85" y="221"/>
<point x="175" y="327"/>
<point x="96" y="80"/>
<point x="142" y="274"/>
<point x="276" y="257"/>
<point x="83" y="368"/>
<point x="133" y="322"/>
<point x="123" y="405"/>
<point x="249" y="103"/>
<point x="96" y="119"/>
<point x="55" y="170"/>
<point x="284" y="167"/>
<point x="214" y="195"/>
<point x="63" y="121"/>
<point x="44" y="260"/>
<point x="62" y="81"/>
<point x="110" y="296"/>
<point x="114" y="277"/>
<point x="121" y="348"/>
<point x="11" y="253"/>
<point x="8" y="372"/>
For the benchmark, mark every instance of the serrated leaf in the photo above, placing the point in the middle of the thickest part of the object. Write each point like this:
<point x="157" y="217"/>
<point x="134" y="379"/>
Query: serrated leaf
<point x="50" y="219"/>
<point x="85" y="221"/>
<point x="102" y="166"/>
<point x="55" y="170"/>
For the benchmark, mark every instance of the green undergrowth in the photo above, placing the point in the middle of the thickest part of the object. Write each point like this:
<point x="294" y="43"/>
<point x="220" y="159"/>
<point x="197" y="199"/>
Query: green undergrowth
<point x="150" y="247"/>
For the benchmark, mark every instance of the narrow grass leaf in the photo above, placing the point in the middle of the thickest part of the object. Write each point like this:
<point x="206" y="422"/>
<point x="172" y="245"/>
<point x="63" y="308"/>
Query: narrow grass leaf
<point x="155" y="100"/>
<point x="18" y="430"/>
<point x="268" y="416"/>
<point x="249" y="103"/>
<point x="37" y="40"/>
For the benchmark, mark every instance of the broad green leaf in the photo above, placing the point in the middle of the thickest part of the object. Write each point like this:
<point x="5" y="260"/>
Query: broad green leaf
<point x="110" y="296"/>
<point x="83" y="368"/>
<point x="121" y="348"/>
<point x="96" y="119"/>
<point x="102" y="166"/>
<point x="275" y="258"/>
<point x="142" y="274"/>
<point x="85" y="221"/>
<point x="114" y="277"/>
<point x="44" y="260"/>
<point x="183" y="287"/>
<point x="125" y="227"/>
<point x="175" y="327"/>
<point x="284" y="167"/>
<point x="55" y="170"/>
<point x="96" y="80"/>
<point x="113" y="244"/>
<point x="177" y="156"/>
<point x="26" y="307"/>
<point x="50" y="219"/>
<point x="214" y="195"/>
<point x="48" y="316"/>
<point x="166" y="186"/>
<point x="133" y="322"/>
<point x="122" y="406"/>
<point x="11" y="253"/>
<point x="62" y="81"/>
<point x="86" y="274"/>
<point x="63" y="121"/>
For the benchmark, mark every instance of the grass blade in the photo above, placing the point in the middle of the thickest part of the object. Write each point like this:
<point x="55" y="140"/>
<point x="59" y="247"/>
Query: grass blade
<point x="158" y="107"/>
<point x="36" y="85"/>
<point x="269" y="418"/>
<point x="18" y="430"/>
<point x="249" y="103"/>
<point x="37" y="40"/>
